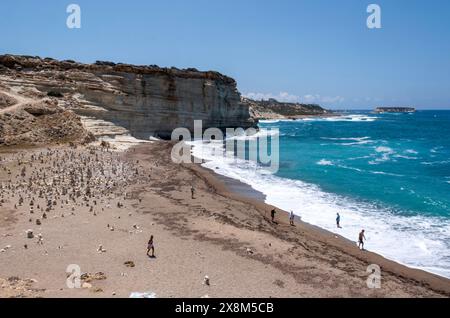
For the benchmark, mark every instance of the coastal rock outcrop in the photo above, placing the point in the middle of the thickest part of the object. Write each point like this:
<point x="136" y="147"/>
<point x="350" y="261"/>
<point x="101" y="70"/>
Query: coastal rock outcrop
<point x="273" y="109"/>
<point x="381" y="110"/>
<point x="120" y="99"/>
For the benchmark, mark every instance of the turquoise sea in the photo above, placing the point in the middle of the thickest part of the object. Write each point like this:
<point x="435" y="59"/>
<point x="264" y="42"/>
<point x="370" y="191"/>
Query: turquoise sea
<point x="386" y="173"/>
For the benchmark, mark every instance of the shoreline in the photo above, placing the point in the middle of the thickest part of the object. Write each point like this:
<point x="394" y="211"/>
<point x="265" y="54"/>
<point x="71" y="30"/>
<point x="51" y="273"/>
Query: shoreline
<point x="221" y="234"/>
<point x="230" y="187"/>
<point x="383" y="241"/>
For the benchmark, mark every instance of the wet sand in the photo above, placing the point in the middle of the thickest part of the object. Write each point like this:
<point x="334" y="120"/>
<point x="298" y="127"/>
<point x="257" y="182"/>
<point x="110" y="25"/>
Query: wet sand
<point x="224" y="232"/>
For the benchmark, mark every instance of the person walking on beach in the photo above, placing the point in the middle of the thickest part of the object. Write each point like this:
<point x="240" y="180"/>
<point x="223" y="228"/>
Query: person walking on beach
<point x="362" y="237"/>
<point x="192" y="192"/>
<point x="338" y="221"/>
<point x="151" y="247"/>
<point x="291" y="218"/>
<point x="272" y="215"/>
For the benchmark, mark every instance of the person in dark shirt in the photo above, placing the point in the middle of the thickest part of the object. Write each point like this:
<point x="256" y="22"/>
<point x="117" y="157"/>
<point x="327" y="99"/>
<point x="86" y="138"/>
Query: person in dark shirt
<point x="361" y="239"/>
<point x="338" y="221"/>
<point x="192" y="192"/>
<point x="151" y="247"/>
<point x="272" y="215"/>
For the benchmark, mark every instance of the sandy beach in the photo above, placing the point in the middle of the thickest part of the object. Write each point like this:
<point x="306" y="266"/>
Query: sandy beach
<point x="97" y="209"/>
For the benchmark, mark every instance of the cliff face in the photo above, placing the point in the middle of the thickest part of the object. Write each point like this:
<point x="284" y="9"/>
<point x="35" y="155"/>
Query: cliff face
<point x="114" y="99"/>
<point x="272" y="109"/>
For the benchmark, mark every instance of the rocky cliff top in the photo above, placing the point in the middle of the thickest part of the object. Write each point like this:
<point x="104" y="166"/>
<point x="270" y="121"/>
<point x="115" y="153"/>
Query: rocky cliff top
<point x="112" y="100"/>
<point x="22" y="62"/>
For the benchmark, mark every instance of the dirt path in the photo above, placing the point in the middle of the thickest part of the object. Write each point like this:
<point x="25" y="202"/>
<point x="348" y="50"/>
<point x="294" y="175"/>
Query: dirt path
<point x="21" y="100"/>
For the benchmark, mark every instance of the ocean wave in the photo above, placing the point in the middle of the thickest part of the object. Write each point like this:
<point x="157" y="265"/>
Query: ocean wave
<point x="354" y="140"/>
<point x="359" y="158"/>
<point x="354" y="118"/>
<point x="269" y="121"/>
<point x="346" y="139"/>
<point x="362" y="142"/>
<point x="433" y="163"/>
<point x="416" y="241"/>
<point x="406" y="157"/>
<point x="259" y="134"/>
<point x="411" y="151"/>
<point x="324" y="162"/>
<point x="350" y="168"/>
<point x="386" y="153"/>
<point x="436" y="149"/>
<point x="384" y="149"/>
<point x="387" y="173"/>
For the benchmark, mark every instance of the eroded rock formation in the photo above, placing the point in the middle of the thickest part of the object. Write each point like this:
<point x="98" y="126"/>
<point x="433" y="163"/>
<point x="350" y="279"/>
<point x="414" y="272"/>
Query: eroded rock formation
<point x="119" y="99"/>
<point x="30" y="122"/>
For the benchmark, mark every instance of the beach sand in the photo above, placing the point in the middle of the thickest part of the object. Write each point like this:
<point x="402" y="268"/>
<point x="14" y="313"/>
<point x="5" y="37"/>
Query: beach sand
<point x="224" y="233"/>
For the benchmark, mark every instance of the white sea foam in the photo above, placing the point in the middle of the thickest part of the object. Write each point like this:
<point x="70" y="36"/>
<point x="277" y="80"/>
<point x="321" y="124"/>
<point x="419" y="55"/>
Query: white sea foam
<point x="442" y="162"/>
<point x="325" y="162"/>
<point x="384" y="149"/>
<point x="358" y="118"/>
<point x="387" y="173"/>
<point x="362" y="142"/>
<point x="416" y="241"/>
<point x="259" y="134"/>
<point x="406" y="157"/>
<point x="269" y="121"/>
<point x="350" y="168"/>
<point x="436" y="149"/>
<point x="411" y="151"/>
<point x="386" y="154"/>
<point x="358" y="158"/>
<point x="352" y="140"/>
<point x="347" y="139"/>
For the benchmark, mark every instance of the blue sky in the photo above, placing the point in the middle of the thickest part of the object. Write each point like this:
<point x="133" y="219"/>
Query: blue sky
<point x="312" y="50"/>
